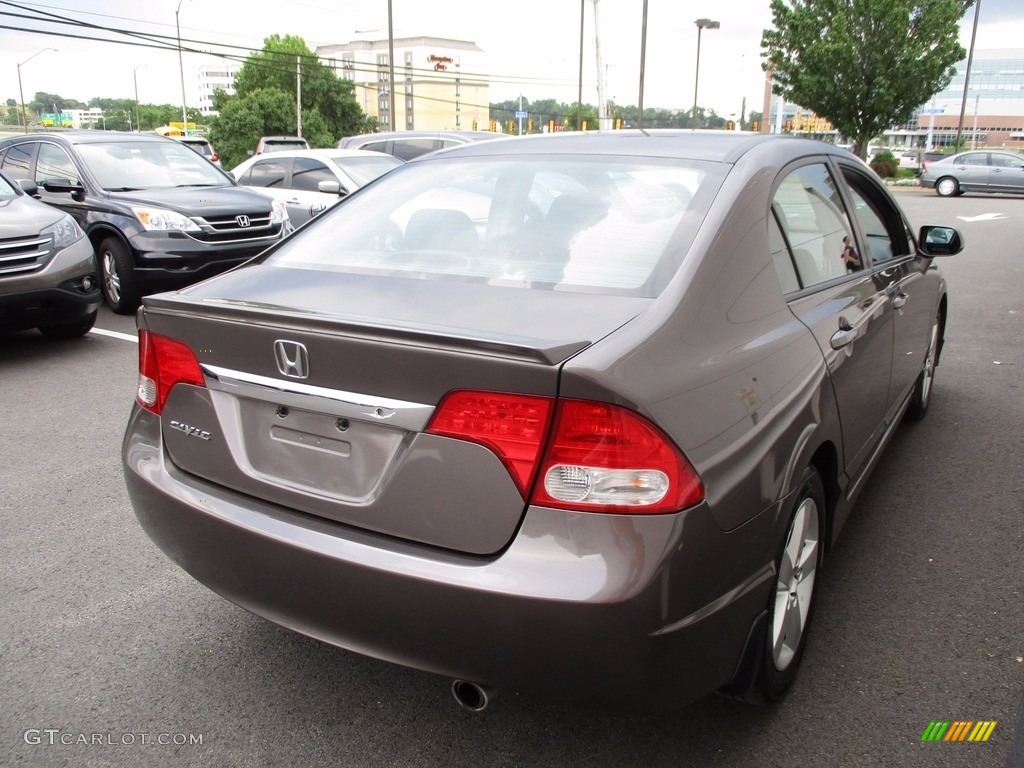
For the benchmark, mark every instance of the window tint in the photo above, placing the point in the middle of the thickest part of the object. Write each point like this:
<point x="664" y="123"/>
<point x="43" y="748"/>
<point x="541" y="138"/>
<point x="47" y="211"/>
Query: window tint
<point x="54" y="163"/>
<point x="974" y="159"/>
<point x="618" y="226"/>
<point x="885" y="231"/>
<point x="407" y="149"/>
<point x="17" y="162"/>
<point x="1007" y="161"/>
<point x="307" y="174"/>
<point x="781" y="257"/>
<point x="814" y="223"/>
<point x="376" y="146"/>
<point x="268" y="173"/>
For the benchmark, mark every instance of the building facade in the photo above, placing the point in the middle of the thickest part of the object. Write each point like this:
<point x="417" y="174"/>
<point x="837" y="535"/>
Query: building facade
<point x="212" y="77"/>
<point x="440" y="84"/>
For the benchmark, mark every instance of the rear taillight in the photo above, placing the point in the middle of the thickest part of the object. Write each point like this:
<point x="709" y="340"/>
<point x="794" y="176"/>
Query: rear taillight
<point x="512" y="426"/>
<point x="214" y="157"/>
<point x="164" y="362"/>
<point x="598" y="457"/>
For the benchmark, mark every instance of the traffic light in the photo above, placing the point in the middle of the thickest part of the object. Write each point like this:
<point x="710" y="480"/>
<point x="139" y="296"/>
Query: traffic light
<point x="583" y="126"/>
<point x="511" y="125"/>
<point x="618" y="123"/>
<point x="551" y="125"/>
<point x="789" y="126"/>
<point x="474" y="123"/>
<point x="754" y="126"/>
<point x="730" y="125"/>
<point x="529" y="125"/>
<point x="494" y="126"/>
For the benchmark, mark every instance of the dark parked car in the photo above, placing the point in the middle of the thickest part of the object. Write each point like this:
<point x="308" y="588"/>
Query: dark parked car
<point x="158" y="215"/>
<point x="577" y="415"/>
<point x="979" y="170"/>
<point x="48" y="275"/>
<point x="409" y="144"/>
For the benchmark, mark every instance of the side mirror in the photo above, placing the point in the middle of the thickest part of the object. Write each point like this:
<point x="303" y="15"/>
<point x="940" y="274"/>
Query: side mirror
<point x="329" y="187"/>
<point x="61" y="185"/>
<point x="250" y="152"/>
<point x="29" y="187"/>
<point x="939" y="241"/>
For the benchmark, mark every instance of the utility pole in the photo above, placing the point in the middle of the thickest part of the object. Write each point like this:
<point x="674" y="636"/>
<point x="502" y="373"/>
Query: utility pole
<point x="602" y="104"/>
<point x="298" y="96"/>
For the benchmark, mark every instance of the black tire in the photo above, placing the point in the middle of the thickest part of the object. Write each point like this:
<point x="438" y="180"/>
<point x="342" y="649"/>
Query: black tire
<point x="117" y="276"/>
<point x="947" y="186"/>
<point x="922" y="395"/>
<point x="69" y="330"/>
<point x="784" y="635"/>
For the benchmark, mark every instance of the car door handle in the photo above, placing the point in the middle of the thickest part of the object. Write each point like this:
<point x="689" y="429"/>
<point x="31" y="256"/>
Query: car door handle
<point x="899" y="300"/>
<point x="843" y="337"/>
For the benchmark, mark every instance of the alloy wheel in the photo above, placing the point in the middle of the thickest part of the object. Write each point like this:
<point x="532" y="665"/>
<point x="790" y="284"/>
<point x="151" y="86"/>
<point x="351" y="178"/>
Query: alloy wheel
<point x="794" y="589"/>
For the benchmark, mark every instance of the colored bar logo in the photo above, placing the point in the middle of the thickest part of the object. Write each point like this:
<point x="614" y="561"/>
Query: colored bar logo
<point x="958" y="730"/>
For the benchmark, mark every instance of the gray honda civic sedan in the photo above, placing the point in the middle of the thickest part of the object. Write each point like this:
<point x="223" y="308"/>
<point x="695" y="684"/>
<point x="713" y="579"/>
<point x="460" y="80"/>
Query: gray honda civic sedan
<point x="574" y="415"/>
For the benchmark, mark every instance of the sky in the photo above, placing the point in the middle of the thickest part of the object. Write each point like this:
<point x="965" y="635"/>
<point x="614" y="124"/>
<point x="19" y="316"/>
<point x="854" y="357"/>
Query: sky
<point x="532" y="46"/>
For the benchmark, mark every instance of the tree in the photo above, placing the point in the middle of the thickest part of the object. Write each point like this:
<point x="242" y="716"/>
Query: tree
<point x="265" y="95"/>
<point x="865" y="65"/>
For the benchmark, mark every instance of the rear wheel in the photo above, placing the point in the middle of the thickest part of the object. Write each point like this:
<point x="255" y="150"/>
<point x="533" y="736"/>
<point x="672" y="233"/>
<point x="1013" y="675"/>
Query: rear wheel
<point x="947" y="186"/>
<point x="922" y="396"/>
<point x="120" y="288"/>
<point x="792" y="599"/>
<point x="69" y="330"/>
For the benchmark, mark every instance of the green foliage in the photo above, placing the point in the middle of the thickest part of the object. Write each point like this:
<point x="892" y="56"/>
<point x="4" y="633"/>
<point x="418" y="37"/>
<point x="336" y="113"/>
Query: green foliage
<point x="863" y="64"/>
<point x="885" y="164"/>
<point x="265" y="95"/>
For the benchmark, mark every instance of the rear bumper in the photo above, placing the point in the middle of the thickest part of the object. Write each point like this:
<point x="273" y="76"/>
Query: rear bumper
<point x="597" y="608"/>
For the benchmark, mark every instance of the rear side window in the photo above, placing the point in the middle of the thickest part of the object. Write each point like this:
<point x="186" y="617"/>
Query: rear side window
<point x="407" y="149"/>
<point x="810" y="212"/>
<point x="617" y="226"/>
<point x="266" y="173"/>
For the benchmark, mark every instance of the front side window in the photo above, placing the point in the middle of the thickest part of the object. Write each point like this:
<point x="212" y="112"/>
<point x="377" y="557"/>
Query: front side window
<point x="618" y="226"/>
<point x="307" y="174"/>
<point x="17" y="162"/>
<point x="885" y="231"/>
<point x="54" y="163"/>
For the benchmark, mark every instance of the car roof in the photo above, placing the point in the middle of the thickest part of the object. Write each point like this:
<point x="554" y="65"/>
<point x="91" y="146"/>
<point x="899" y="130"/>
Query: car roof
<point x="94" y="137"/>
<point x="716" y="146"/>
<point x="385" y="135"/>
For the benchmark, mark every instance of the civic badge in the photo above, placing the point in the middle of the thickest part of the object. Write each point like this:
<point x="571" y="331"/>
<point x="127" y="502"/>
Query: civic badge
<point x="292" y="359"/>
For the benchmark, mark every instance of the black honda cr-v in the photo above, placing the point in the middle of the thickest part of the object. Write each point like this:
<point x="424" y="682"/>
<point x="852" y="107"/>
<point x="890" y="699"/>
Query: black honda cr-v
<point x="159" y="216"/>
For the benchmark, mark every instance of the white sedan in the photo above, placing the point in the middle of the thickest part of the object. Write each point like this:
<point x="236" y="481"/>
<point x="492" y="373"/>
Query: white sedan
<point x="309" y="181"/>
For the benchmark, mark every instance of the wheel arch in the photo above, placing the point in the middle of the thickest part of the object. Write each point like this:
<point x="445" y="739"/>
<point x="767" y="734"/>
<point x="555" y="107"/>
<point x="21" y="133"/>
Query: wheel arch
<point x="101" y="232"/>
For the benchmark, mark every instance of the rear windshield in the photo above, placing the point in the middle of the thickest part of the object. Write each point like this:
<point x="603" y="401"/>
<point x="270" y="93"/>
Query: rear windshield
<point x="596" y="224"/>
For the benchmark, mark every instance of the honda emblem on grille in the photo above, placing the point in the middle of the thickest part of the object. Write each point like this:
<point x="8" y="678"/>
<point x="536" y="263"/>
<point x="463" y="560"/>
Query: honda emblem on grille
<point x="292" y="358"/>
<point x="242" y="221"/>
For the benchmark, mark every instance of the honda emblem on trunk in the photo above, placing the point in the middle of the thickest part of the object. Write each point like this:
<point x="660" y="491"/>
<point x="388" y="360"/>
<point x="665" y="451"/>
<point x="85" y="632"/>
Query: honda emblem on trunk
<point x="242" y="221"/>
<point x="292" y="359"/>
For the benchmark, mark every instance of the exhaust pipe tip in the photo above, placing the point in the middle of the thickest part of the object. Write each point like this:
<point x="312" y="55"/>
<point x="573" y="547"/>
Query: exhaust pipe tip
<point x="472" y="696"/>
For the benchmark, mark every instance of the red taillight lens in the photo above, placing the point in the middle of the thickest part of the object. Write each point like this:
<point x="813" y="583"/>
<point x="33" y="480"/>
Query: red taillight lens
<point x="214" y="157"/>
<point x="164" y="362"/>
<point x="599" y="458"/>
<point x="513" y="426"/>
<point x="604" y="458"/>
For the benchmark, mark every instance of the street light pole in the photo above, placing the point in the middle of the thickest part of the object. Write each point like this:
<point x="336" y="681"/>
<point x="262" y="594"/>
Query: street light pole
<point x="21" y="92"/>
<point x="135" y="77"/>
<point x="702" y="24"/>
<point x="181" y="69"/>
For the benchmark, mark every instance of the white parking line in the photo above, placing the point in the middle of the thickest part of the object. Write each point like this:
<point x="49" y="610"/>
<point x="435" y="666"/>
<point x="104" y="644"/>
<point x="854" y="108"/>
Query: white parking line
<point x="115" y="334"/>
